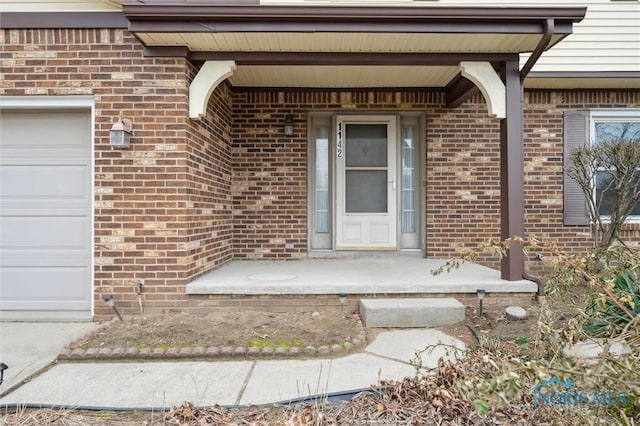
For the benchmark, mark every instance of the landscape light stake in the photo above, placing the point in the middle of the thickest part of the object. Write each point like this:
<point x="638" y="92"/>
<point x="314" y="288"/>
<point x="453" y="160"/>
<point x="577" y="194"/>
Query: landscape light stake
<point x="343" y="298"/>
<point x="139" y="293"/>
<point x="112" y="303"/>
<point x="3" y="367"/>
<point x="480" y="292"/>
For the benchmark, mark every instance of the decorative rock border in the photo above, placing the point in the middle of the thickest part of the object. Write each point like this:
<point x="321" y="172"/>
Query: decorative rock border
<point x="208" y="353"/>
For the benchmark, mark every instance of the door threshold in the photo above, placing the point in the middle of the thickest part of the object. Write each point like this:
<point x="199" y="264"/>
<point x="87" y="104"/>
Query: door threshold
<point x="360" y="254"/>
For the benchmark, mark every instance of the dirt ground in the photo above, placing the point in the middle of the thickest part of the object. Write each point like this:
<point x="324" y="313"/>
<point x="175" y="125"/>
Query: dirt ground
<point x="246" y="328"/>
<point x="259" y="329"/>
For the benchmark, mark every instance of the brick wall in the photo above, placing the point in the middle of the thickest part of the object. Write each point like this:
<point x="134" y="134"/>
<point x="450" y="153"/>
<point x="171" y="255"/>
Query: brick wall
<point x="161" y="206"/>
<point x="463" y="179"/>
<point x="209" y="230"/>
<point x="189" y="196"/>
<point x="269" y="176"/>
<point x="462" y="168"/>
<point x="269" y="171"/>
<point x="543" y="133"/>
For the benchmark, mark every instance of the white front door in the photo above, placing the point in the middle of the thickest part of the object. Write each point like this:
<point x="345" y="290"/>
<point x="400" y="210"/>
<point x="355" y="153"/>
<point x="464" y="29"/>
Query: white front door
<point x="366" y="183"/>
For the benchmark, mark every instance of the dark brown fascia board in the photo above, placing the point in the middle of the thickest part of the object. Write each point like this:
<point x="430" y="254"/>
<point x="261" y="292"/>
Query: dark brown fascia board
<point x="188" y="16"/>
<point x="202" y="26"/>
<point x="158" y="9"/>
<point x="166" y="52"/>
<point x="75" y="20"/>
<point x="344" y="58"/>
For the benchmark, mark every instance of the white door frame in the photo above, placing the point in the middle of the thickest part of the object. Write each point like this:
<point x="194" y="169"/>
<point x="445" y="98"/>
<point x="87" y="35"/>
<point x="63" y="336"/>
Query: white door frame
<point x="366" y="231"/>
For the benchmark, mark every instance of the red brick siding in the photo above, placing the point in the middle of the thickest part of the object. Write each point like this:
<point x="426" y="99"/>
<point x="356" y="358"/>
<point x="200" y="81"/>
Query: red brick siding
<point x="270" y="185"/>
<point x="463" y="179"/>
<point x="209" y="188"/>
<point x="149" y="199"/>
<point x="269" y="176"/>
<point x="543" y="134"/>
<point x="199" y="304"/>
<point x="462" y="167"/>
<point x="189" y="195"/>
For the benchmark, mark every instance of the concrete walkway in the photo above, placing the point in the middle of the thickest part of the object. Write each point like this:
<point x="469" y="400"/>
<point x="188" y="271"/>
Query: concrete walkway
<point x="28" y="347"/>
<point x="166" y="384"/>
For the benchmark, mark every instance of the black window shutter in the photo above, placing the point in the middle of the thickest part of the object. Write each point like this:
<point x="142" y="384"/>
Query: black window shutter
<point x="576" y="134"/>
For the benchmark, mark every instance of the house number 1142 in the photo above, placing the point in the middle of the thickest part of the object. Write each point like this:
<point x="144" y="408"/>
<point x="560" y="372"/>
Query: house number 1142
<point x="339" y="148"/>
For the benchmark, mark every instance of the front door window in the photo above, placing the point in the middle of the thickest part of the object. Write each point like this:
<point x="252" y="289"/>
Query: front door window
<point x="366" y="168"/>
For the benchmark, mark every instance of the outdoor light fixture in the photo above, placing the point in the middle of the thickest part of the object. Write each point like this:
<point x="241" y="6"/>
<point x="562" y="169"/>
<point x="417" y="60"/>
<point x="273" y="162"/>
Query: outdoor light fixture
<point x="121" y="133"/>
<point x="288" y="125"/>
<point x="109" y="299"/>
<point x="3" y="367"/>
<point x="480" y="293"/>
<point x="343" y="298"/>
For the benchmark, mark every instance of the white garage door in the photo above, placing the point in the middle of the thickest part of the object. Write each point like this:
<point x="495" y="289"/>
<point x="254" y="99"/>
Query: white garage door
<point x="45" y="214"/>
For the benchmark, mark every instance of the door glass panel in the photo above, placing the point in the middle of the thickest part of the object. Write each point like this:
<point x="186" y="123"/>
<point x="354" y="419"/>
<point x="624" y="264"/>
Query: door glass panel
<point x="322" y="179"/>
<point x="366" y="145"/>
<point x="366" y="191"/>
<point x="408" y="180"/>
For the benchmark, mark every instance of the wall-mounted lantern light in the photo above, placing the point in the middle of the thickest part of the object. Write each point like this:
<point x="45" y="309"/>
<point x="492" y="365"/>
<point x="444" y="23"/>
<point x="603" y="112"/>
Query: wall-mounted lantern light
<point x="288" y="125"/>
<point x="121" y="133"/>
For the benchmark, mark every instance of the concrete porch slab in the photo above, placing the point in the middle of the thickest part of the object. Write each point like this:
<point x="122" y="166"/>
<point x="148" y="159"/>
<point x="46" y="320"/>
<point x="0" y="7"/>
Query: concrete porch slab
<point x="378" y="275"/>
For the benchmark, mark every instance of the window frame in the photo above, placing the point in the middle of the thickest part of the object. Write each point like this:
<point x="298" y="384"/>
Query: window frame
<point x="620" y="116"/>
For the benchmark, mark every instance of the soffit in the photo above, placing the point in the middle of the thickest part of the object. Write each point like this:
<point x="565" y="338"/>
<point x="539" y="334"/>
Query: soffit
<point x="262" y="39"/>
<point x="345" y="42"/>
<point x="320" y="76"/>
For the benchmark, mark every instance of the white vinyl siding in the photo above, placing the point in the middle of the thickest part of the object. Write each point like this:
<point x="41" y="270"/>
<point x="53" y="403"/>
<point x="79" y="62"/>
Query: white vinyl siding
<point x="60" y="6"/>
<point x="608" y="39"/>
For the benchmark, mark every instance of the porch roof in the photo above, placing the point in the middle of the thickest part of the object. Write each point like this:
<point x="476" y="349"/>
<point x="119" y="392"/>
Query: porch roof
<point x="343" y="46"/>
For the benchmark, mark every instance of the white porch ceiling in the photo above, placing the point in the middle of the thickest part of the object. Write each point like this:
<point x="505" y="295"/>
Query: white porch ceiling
<point x="345" y="42"/>
<point x="342" y="76"/>
<point x="339" y="76"/>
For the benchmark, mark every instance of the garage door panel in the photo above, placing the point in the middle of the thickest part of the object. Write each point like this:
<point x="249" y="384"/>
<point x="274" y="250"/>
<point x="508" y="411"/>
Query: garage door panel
<point x="44" y="233"/>
<point x="45" y="214"/>
<point x="45" y="157"/>
<point x="54" y="284"/>
<point x="33" y="130"/>
<point x="24" y="182"/>
<point x="34" y="208"/>
<point x="44" y="258"/>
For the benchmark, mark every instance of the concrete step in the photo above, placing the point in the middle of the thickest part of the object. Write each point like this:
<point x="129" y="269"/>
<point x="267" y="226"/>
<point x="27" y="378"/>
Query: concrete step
<point x="414" y="312"/>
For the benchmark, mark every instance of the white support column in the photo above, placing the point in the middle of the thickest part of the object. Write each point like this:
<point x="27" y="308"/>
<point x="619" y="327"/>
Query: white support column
<point x="488" y="81"/>
<point x="208" y="78"/>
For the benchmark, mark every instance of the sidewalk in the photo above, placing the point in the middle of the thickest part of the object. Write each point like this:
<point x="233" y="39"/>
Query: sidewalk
<point x="28" y="347"/>
<point x="166" y="384"/>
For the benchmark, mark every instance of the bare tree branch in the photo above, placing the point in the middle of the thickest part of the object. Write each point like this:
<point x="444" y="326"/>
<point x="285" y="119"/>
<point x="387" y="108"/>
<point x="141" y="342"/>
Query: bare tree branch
<point x="609" y="175"/>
